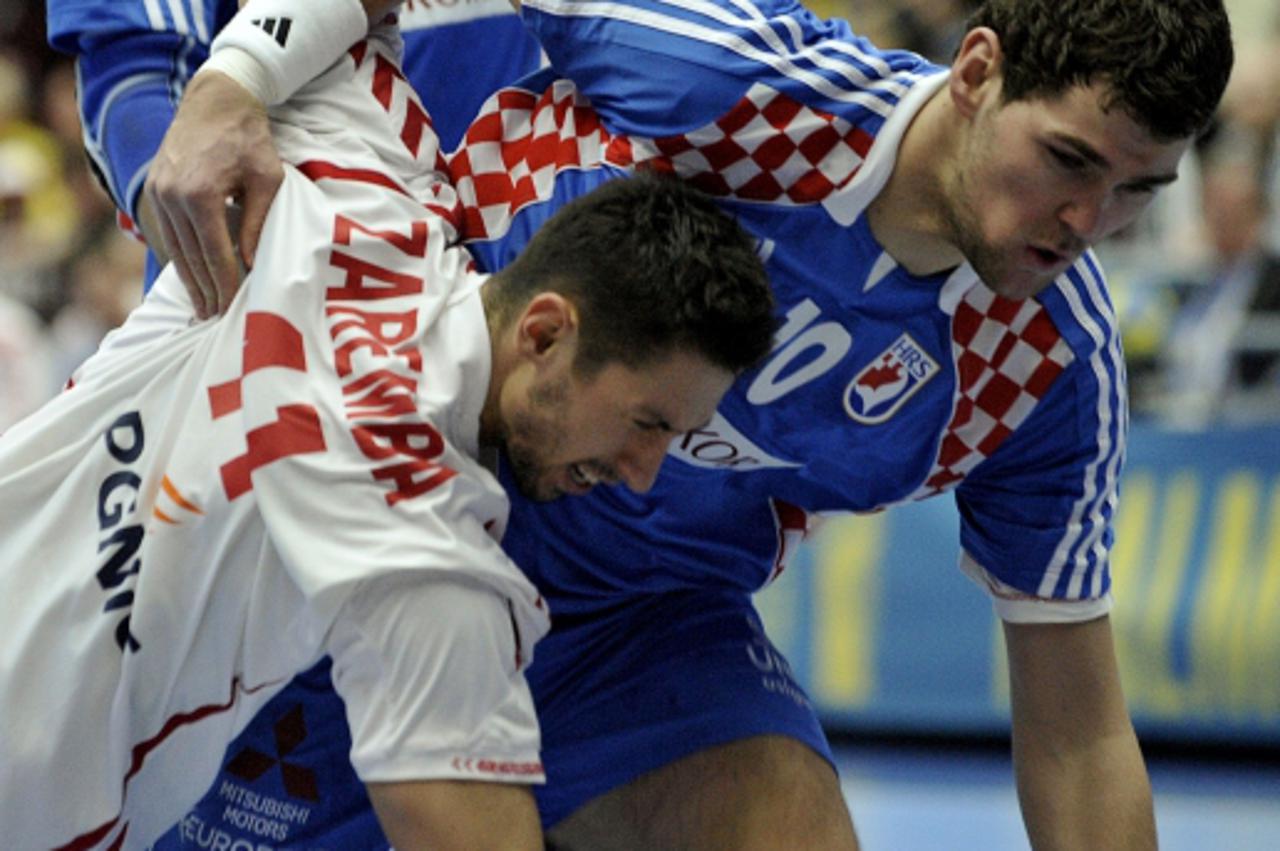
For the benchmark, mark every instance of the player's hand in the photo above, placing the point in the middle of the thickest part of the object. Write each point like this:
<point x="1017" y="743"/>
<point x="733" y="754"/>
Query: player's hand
<point x="218" y="149"/>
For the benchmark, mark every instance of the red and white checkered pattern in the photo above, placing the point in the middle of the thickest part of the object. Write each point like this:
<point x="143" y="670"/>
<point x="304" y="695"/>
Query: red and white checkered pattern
<point x="514" y="149"/>
<point x="766" y="148"/>
<point x="1007" y="354"/>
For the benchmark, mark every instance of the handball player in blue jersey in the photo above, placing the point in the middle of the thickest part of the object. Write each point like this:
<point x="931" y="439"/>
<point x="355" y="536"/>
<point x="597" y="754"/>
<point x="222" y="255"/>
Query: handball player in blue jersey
<point x="943" y="329"/>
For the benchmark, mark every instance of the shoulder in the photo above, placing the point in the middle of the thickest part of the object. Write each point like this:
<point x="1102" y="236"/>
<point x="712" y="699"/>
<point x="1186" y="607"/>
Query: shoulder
<point x="727" y="46"/>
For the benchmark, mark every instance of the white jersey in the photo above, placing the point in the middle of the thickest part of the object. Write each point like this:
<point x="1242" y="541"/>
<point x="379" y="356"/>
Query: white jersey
<point x="215" y="505"/>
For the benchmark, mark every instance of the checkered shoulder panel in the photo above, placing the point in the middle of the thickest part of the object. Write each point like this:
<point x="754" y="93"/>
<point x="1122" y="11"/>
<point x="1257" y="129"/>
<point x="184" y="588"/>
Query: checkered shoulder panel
<point x="514" y="149"/>
<point x="767" y="148"/>
<point x="1007" y="355"/>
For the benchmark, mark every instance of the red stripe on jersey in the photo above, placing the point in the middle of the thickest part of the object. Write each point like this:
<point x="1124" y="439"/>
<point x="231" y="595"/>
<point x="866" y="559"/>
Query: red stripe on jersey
<point x="144" y="748"/>
<point x="119" y="843"/>
<point x="384" y="80"/>
<point x="319" y="170"/>
<point x="387" y="79"/>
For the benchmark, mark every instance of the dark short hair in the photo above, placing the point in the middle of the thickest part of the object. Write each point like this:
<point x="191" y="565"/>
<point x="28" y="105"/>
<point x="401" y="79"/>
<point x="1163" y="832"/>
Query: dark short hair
<point x="652" y="266"/>
<point x="1166" y="61"/>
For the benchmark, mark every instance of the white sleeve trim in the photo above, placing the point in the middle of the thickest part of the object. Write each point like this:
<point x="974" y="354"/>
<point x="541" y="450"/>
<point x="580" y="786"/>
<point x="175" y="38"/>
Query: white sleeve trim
<point x="1014" y="606"/>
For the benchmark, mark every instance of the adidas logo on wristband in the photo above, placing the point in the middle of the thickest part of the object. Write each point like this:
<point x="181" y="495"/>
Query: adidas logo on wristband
<point x="277" y="28"/>
<point x="305" y="45"/>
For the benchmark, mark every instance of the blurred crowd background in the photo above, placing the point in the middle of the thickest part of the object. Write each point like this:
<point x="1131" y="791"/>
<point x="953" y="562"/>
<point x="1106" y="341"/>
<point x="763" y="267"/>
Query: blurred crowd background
<point x="1196" y="282"/>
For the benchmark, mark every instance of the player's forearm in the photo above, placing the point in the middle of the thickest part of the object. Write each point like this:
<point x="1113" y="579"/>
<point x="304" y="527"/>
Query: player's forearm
<point x="1096" y="797"/>
<point x="1081" y="779"/>
<point x="458" y="815"/>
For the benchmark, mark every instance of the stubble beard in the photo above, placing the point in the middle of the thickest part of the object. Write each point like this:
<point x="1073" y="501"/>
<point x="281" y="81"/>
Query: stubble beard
<point x="961" y="216"/>
<point x="960" y="208"/>
<point x="533" y="435"/>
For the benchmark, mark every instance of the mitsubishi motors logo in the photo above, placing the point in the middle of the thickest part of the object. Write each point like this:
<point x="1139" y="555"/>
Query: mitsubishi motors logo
<point x="290" y="731"/>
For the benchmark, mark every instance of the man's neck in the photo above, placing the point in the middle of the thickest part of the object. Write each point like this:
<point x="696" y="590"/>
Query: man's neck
<point x="500" y="358"/>
<point x="907" y="217"/>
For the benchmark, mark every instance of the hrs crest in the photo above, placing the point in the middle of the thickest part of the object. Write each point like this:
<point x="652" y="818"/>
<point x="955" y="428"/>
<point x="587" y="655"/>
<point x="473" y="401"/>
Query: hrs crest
<point x="883" y="385"/>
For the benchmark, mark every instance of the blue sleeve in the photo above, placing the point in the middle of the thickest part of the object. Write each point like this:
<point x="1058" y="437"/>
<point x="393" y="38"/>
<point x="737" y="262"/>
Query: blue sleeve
<point x="133" y="59"/>
<point x="1038" y="515"/>
<point x="453" y="92"/>
<point x="655" y="68"/>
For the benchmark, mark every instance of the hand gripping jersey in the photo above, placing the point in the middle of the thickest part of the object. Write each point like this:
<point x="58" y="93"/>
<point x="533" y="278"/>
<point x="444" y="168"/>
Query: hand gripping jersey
<point x="134" y="58"/>
<point x="882" y="387"/>
<point x="214" y="506"/>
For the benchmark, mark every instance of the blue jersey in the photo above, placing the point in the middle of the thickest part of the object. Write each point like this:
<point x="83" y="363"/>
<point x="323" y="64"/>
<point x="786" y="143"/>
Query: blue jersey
<point x="882" y="386"/>
<point x="134" y="58"/>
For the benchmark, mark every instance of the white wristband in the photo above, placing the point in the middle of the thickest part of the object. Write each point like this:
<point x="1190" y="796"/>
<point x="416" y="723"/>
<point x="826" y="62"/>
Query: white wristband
<point x="243" y="68"/>
<point x="290" y="42"/>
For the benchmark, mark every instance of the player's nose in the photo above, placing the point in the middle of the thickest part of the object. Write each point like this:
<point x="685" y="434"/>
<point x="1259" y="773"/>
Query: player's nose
<point x="1084" y="217"/>
<point x="640" y="461"/>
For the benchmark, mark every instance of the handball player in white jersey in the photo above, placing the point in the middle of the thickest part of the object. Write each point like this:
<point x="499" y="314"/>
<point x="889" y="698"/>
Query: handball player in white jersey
<point x="213" y="506"/>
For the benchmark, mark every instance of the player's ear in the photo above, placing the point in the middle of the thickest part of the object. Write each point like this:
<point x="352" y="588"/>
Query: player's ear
<point x="547" y="324"/>
<point x="975" y="72"/>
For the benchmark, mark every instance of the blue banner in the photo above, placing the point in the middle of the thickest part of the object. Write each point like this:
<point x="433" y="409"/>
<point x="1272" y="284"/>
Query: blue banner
<point x="888" y="635"/>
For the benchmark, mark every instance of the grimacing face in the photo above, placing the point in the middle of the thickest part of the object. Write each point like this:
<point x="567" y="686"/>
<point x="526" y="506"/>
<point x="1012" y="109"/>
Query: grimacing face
<point x="1040" y="180"/>
<point x="564" y="434"/>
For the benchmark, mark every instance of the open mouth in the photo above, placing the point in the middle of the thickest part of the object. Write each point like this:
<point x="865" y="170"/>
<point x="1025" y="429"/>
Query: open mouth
<point x="1047" y="257"/>
<point x="583" y="476"/>
<point x="1044" y="258"/>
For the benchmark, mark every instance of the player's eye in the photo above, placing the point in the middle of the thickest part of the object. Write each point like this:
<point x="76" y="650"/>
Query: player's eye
<point x="1067" y="160"/>
<point x="650" y="425"/>
<point x="1141" y="189"/>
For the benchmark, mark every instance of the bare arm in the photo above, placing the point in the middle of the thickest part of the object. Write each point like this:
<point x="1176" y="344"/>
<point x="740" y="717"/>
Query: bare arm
<point x="1081" y="779"/>
<point x="457" y="815"/>
<point x="218" y="147"/>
